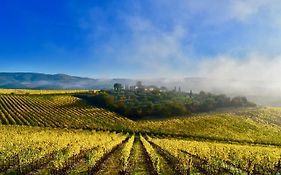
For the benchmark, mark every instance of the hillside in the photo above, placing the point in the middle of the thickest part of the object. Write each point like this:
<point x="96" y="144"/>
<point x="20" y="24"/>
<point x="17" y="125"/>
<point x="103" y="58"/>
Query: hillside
<point x="61" y="134"/>
<point x="255" y="125"/>
<point x="224" y="126"/>
<point x="63" y="111"/>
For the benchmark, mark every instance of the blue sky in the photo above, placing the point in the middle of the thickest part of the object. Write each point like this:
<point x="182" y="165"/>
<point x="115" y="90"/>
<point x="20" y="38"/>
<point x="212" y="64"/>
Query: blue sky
<point x="141" y="38"/>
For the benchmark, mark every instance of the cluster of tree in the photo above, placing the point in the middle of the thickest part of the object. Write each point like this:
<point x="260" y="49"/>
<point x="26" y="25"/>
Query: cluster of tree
<point x="137" y="105"/>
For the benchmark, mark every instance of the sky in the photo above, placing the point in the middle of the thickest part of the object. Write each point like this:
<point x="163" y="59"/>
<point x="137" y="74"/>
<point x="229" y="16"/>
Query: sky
<point x="142" y="38"/>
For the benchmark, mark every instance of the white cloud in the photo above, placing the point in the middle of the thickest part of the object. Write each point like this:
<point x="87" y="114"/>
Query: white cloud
<point x="162" y="51"/>
<point x="155" y="50"/>
<point x="256" y="76"/>
<point x="242" y="10"/>
<point x="254" y="67"/>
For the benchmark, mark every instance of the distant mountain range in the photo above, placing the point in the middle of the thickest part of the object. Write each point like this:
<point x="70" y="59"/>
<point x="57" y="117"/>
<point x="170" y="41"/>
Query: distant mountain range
<point x="63" y="81"/>
<point x="261" y="92"/>
<point x="56" y="81"/>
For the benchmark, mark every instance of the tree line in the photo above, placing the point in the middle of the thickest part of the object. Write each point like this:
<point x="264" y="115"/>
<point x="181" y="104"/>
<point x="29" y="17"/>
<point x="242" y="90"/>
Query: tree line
<point x="156" y="104"/>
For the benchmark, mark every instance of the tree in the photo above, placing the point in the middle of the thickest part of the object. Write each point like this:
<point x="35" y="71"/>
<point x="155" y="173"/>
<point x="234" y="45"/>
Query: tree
<point x="118" y="87"/>
<point x="101" y="99"/>
<point x="222" y="101"/>
<point x="239" y="101"/>
<point x="176" y="108"/>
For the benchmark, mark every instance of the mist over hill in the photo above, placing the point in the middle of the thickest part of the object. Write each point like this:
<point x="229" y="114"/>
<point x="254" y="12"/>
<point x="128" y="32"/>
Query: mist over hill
<point x="260" y="92"/>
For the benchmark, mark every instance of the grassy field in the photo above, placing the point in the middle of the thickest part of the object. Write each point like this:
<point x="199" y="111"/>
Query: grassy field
<point x="60" y="134"/>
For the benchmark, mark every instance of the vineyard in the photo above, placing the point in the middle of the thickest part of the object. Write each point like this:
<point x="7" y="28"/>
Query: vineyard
<point x="26" y="149"/>
<point x="219" y="158"/>
<point x="38" y="150"/>
<point x="223" y="127"/>
<point x="57" y="111"/>
<point x="59" y="133"/>
<point x="27" y="91"/>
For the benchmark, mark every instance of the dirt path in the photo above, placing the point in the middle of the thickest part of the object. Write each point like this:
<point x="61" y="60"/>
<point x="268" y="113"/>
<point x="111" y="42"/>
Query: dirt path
<point x="138" y="160"/>
<point x="139" y="163"/>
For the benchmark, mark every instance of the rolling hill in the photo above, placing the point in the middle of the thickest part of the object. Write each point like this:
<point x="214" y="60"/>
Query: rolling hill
<point x="61" y="134"/>
<point x="254" y="125"/>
